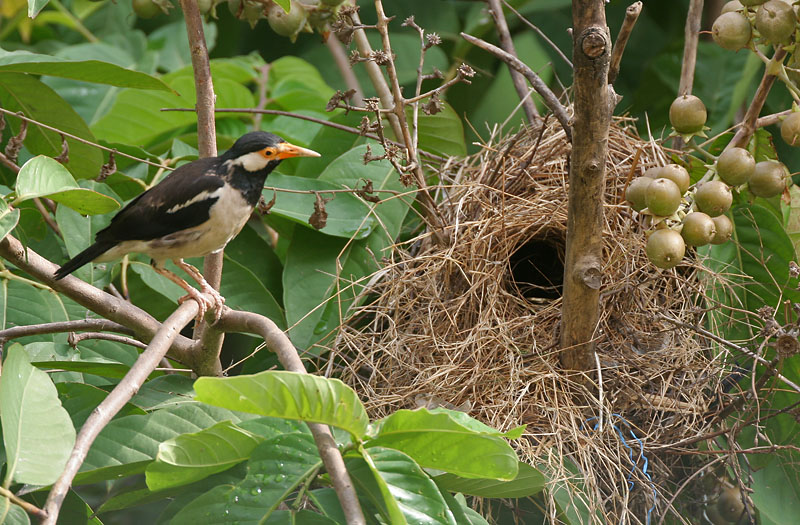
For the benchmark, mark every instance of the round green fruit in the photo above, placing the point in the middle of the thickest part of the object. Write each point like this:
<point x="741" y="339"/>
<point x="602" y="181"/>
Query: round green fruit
<point x="723" y="229"/>
<point x="146" y="8"/>
<point x="698" y="229"/>
<point x="713" y="197"/>
<point x="775" y="20"/>
<point x="204" y="5"/>
<point x="687" y="114"/>
<point x="674" y="172"/>
<point x="733" y="5"/>
<point x="790" y="129"/>
<point x="665" y="248"/>
<point x="731" y="31"/>
<point x="663" y="197"/>
<point x="730" y="505"/>
<point x="769" y="179"/>
<point x="636" y="193"/>
<point x="751" y="3"/>
<point x="287" y="24"/>
<point x="735" y="166"/>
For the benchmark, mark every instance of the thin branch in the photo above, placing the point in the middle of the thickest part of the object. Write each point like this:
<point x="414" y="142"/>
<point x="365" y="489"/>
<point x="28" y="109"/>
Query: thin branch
<point x="143" y="325"/>
<point x="496" y="9"/>
<point x="343" y="64"/>
<point x="48" y="219"/>
<point x="549" y="98"/>
<point x="78" y="139"/>
<point x="16" y="332"/>
<point x="748" y="127"/>
<point x="334" y="125"/>
<point x="276" y="340"/>
<point x="73" y="339"/>
<point x="114" y="401"/>
<point x="690" y="37"/>
<point x="769" y="120"/>
<point x="209" y="340"/>
<point x="30" y="508"/>
<point x="631" y="15"/>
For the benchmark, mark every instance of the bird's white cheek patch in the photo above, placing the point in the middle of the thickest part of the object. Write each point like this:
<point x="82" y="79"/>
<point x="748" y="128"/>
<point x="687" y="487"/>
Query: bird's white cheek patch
<point x="252" y="161"/>
<point x="197" y="198"/>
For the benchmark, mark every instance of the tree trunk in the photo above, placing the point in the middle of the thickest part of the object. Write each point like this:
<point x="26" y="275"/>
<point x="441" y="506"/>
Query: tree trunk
<point x="584" y="250"/>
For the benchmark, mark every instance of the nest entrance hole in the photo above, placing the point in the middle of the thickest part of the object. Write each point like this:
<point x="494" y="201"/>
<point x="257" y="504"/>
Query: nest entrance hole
<point x="537" y="268"/>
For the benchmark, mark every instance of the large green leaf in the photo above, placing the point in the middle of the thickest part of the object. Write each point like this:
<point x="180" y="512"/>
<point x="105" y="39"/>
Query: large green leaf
<point x="22" y="305"/>
<point x="45" y="177"/>
<point x="529" y="481"/>
<point x="21" y="92"/>
<point x="776" y="491"/>
<point x="8" y="219"/>
<point x="11" y="514"/>
<point x="80" y="399"/>
<point x="275" y="469"/>
<point x="87" y="70"/>
<point x="37" y="431"/>
<point x="191" y="457"/>
<point x="437" y="440"/>
<point x="348" y="216"/>
<point x="244" y="290"/>
<point x="442" y="133"/>
<point x="287" y="395"/>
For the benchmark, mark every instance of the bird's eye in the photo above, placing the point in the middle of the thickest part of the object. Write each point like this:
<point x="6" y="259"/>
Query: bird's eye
<point x="268" y="152"/>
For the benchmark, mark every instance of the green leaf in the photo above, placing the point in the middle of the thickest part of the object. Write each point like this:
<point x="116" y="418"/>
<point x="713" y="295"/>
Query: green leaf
<point x="11" y="514"/>
<point x="165" y="391"/>
<point x="80" y="399"/>
<point x="45" y="177"/>
<point x="37" y="432"/>
<point x="243" y="290"/>
<point x="285" y="4"/>
<point x="442" y="133"/>
<point x="94" y="71"/>
<point x="191" y="457"/>
<point x="20" y="92"/>
<point x="109" y="370"/>
<point x="275" y="469"/>
<point x="436" y="440"/>
<point x="529" y="481"/>
<point x="348" y="216"/>
<point x="8" y="219"/>
<point x="287" y="395"/>
<point x="35" y="6"/>
<point x="776" y="491"/>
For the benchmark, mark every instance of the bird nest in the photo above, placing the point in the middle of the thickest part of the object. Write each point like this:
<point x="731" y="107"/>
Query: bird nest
<point x="473" y="325"/>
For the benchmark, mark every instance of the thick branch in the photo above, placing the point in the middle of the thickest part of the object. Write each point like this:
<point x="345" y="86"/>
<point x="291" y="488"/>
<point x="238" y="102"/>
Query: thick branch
<point x="631" y="16"/>
<point x="210" y="340"/>
<point x="583" y="263"/>
<point x="549" y="98"/>
<point x="690" y="37"/>
<point x="116" y="399"/>
<point x="496" y="8"/>
<point x="106" y="305"/>
<point x="276" y="340"/>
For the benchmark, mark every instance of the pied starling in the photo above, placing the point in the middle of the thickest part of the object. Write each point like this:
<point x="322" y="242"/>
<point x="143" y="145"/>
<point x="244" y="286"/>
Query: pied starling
<point x="193" y="212"/>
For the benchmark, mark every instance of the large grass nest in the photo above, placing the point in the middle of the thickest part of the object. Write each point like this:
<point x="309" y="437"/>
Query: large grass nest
<point x="474" y="325"/>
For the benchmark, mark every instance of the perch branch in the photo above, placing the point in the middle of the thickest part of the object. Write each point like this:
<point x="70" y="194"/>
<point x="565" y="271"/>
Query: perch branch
<point x="549" y="98"/>
<point x="496" y="8"/>
<point x="276" y="340"/>
<point x="114" y="401"/>
<point x="73" y="339"/>
<point x="106" y="305"/>
<point x="690" y="37"/>
<point x="209" y="344"/>
<point x="748" y="127"/>
<point x="631" y="16"/>
<point x="583" y="264"/>
<point x="16" y="332"/>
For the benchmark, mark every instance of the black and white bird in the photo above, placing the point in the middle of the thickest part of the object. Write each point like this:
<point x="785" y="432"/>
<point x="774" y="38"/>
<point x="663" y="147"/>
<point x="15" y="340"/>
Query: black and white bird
<point x="193" y="212"/>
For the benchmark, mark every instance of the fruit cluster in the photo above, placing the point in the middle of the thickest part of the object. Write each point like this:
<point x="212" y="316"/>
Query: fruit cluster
<point x="308" y="15"/>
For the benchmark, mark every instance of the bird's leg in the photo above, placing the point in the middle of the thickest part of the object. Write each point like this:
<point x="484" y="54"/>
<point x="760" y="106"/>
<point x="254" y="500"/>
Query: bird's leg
<point x="206" y="288"/>
<point x="202" y="301"/>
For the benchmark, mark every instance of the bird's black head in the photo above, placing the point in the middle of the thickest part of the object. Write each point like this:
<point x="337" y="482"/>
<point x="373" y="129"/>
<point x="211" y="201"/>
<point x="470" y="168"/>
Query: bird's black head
<point x="258" y="150"/>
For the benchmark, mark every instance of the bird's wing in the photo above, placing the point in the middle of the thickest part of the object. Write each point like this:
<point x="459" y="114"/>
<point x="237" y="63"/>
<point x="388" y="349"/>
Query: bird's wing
<point x="182" y="200"/>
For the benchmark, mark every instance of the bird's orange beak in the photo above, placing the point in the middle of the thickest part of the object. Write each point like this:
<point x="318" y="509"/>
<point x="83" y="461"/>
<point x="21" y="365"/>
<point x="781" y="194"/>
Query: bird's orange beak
<point x="287" y="151"/>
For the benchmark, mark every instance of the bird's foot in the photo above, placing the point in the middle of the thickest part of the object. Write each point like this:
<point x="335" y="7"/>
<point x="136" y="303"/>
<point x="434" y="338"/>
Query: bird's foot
<point x="204" y="303"/>
<point x="217" y="300"/>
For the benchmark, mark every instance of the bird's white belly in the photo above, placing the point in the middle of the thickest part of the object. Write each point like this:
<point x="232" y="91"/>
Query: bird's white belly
<point x="227" y="217"/>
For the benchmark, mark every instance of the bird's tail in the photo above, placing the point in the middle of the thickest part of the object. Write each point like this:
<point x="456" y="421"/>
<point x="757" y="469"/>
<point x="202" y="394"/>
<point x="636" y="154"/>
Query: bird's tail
<point x="89" y="254"/>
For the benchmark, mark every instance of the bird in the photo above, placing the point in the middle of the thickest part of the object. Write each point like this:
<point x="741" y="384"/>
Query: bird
<point x="193" y="212"/>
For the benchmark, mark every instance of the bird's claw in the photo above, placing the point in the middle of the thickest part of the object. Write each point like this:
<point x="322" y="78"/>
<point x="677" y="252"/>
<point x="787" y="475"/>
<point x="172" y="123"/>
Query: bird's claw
<point x="207" y="299"/>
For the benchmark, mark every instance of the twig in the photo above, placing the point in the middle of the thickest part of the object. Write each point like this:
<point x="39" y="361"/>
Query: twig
<point x="769" y="120"/>
<point x="209" y="340"/>
<point x="631" y="15"/>
<point x="106" y="305"/>
<point x="114" y="401"/>
<point x="690" y="37"/>
<point x="349" y="77"/>
<point x="539" y="32"/>
<point x="73" y="339"/>
<point x="30" y="508"/>
<point x="276" y="340"/>
<point x="16" y="332"/>
<point x="549" y="98"/>
<point x="748" y="127"/>
<point x="78" y="139"/>
<point x="48" y="219"/>
<point x="334" y="125"/>
<point x="508" y="45"/>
